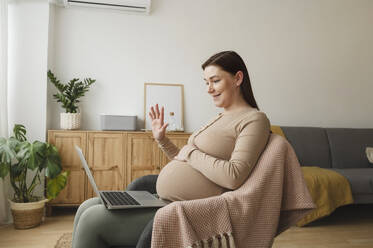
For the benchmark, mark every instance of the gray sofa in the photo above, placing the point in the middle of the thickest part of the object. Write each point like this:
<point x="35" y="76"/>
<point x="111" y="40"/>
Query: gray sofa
<point x="338" y="149"/>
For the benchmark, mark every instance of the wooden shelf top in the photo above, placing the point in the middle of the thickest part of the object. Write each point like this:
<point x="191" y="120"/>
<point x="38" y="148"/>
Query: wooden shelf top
<point x="115" y="131"/>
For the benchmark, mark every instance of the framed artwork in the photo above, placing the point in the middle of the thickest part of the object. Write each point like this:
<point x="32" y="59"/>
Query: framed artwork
<point x="171" y="97"/>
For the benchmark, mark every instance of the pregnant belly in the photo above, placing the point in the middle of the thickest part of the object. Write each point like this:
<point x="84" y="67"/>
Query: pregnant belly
<point x="179" y="181"/>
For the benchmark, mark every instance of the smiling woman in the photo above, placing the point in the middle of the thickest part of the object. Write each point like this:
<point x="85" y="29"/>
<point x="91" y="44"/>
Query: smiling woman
<point x="228" y="81"/>
<point x="220" y="156"/>
<point x="220" y="85"/>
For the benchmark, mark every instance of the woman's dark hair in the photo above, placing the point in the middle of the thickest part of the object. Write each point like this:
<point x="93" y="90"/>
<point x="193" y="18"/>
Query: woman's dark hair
<point x="231" y="62"/>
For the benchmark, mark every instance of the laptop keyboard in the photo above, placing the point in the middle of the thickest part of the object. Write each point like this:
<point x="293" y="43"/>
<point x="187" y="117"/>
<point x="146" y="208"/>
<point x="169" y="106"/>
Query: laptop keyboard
<point x="120" y="198"/>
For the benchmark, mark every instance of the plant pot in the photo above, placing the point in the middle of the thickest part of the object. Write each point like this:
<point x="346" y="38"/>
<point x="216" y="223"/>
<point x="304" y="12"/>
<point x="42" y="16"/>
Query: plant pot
<point x="27" y="215"/>
<point x="70" y="120"/>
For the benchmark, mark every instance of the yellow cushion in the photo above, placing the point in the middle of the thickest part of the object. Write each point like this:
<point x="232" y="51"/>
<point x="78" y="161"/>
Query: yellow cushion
<point x="328" y="189"/>
<point x="277" y="130"/>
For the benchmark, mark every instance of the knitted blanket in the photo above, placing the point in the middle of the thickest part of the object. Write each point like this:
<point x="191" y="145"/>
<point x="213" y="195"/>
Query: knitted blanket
<point x="273" y="198"/>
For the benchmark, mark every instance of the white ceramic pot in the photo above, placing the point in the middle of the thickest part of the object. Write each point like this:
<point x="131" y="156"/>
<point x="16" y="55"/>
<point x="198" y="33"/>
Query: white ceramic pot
<point x="70" y="120"/>
<point x="27" y="215"/>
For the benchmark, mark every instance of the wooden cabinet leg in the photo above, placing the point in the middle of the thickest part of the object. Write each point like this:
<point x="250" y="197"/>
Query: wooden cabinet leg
<point x="48" y="212"/>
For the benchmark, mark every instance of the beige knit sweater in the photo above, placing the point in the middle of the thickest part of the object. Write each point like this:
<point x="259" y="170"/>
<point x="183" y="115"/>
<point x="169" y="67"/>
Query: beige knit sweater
<point x="218" y="158"/>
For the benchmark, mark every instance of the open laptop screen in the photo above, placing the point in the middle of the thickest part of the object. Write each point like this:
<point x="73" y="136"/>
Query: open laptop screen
<point x="87" y="170"/>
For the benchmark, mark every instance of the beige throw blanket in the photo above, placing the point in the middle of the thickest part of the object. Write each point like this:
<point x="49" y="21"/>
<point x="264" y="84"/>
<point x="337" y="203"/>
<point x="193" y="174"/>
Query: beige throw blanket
<point x="273" y="198"/>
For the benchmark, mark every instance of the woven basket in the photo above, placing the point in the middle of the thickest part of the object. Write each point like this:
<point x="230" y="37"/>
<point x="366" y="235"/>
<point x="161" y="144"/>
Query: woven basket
<point x="70" y="120"/>
<point x="27" y="215"/>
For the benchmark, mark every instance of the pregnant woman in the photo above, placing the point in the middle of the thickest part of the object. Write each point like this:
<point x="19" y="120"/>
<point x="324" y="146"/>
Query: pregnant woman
<point x="219" y="157"/>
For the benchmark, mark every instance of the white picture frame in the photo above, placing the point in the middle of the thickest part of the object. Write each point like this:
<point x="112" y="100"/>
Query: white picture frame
<point x="171" y="96"/>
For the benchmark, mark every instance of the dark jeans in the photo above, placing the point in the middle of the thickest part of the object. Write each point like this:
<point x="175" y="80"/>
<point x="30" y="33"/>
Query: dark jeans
<point x="147" y="183"/>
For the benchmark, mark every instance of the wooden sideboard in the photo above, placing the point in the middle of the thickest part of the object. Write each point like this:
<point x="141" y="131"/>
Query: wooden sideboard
<point x="115" y="158"/>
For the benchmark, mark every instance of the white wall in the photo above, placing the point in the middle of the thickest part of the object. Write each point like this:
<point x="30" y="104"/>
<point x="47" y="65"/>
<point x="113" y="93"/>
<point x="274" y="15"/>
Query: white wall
<point x="27" y="78"/>
<point x="310" y="61"/>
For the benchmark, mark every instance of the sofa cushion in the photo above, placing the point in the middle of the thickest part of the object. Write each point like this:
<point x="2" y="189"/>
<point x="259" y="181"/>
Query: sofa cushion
<point x="329" y="190"/>
<point x="361" y="179"/>
<point x="310" y="144"/>
<point x="347" y="146"/>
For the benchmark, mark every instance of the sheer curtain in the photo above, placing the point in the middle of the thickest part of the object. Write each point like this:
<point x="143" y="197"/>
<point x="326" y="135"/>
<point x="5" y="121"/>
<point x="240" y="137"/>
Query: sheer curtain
<point x="4" y="185"/>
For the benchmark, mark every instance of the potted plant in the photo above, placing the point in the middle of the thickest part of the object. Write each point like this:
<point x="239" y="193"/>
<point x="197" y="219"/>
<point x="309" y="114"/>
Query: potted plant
<point x="69" y="95"/>
<point x="20" y="158"/>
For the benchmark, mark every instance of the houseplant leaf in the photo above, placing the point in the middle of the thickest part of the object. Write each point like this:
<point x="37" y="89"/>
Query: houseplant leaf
<point x="23" y="152"/>
<point x="7" y="150"/>
<point x="19" y="132"/>
<point x="55" y="185"/>
<point x="36" y="154"/>
<point x="52" y="162"/>
<point x="4" y="170"/>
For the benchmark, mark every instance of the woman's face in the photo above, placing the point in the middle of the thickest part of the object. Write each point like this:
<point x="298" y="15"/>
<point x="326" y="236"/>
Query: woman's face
<point x="222" y="86"/>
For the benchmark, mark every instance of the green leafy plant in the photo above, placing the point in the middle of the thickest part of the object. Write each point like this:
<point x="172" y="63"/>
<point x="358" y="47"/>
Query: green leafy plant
<point x="18" y="158"/>
<point x="69" y="93"/>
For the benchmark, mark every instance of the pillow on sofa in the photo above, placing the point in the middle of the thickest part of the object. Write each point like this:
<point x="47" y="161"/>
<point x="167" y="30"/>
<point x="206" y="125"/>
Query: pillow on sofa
<point x="369" y="152"/>
<point x="328" y="189"/>
<point x="277" y="130"/>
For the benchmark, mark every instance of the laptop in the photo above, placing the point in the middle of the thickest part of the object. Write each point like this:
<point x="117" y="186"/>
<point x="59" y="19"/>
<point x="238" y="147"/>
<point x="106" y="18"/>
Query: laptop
<point x="122" y="199"/>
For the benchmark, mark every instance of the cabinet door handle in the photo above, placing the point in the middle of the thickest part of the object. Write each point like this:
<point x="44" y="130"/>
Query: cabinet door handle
<point x="114" y="167"/>
<point x="103" y="168"/>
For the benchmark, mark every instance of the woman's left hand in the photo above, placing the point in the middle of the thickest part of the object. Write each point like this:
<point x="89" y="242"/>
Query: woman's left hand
<point x="184" y="152"/>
